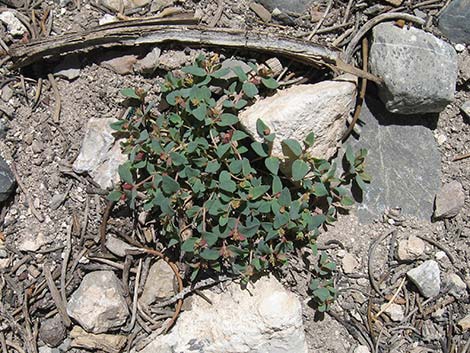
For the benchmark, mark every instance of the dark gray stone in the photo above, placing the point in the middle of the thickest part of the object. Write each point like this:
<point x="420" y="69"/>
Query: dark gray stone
<point x="403" y="161"/>
<point x="454" y="21"/>
<point x="52" y="331"/>
<point x="418" y="69"/>
<point x="7" y="180"/>
<point x="297" y="6"/>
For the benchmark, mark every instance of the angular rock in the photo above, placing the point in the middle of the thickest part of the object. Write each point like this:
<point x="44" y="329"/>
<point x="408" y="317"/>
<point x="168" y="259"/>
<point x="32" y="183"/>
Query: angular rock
<point x="149" y="63"/>
<point x="7" y="180"/>
<point x="102" y="342"/>
<point x="449" y="200"/>
<point x="321" y="108"/>
<point x="122" y="5"/>
<point x="158" y="5"/>
<point x="457" y="287"/>
<point x="349" y="264"/>
<point x="117" y="246"/>
<point x="159" y="283"/>
<point x="107" y="18"/>
<point x="427" y="278"/>
<point x="411" y="248"/>
<point x="361" y="349"/>
<point x="261" y="11"/>
<point x="466" y="108"/>
<point x="69" y="68"/>
<point x="14" y="25"/>
<point x="52" y="331"/>
<point x="395" y="311"/>
<point x="99" y="154"/>
<point x="265" y="318"/>
<point x="297" y="6"/>
<point x="173" y="59"/>
<point x="31" y="241"/>
<point x="418" y="69"/>
<point x="454" y="23"/>
<point x="121" y="65"/>
<point x="98" y="304"/>
<point x="403" y="160"/>
<point x="464" y="323"/>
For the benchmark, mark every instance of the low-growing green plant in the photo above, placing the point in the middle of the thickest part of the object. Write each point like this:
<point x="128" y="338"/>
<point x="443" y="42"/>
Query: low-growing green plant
<point x="219" y="198"/>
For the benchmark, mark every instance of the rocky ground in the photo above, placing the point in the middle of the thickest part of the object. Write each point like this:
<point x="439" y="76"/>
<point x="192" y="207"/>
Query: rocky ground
<point x="402" y="253"/>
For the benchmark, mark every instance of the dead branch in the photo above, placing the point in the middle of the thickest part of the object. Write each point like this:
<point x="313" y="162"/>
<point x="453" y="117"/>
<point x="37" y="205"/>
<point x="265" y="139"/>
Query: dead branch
<point x="140" y="32"/>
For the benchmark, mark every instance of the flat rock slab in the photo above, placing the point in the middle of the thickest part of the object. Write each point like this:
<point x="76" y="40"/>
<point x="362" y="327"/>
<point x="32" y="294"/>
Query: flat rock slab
<point x="403" y="161"/>
<point x="454" y="21"/>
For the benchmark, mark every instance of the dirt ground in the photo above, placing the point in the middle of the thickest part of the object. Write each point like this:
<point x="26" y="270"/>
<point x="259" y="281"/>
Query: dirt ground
<point x="43" y="153"/>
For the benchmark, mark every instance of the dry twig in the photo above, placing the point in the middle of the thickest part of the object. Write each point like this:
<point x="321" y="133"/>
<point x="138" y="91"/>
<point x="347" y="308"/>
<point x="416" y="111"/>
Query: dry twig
<point x="57" y="107"/>
<point x="56" y="296"/>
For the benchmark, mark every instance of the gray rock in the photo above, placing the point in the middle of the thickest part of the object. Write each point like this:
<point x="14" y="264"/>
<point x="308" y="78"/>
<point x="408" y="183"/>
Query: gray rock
<point x="14" y="25"/>
<point x="466" y="108"/>
<point x="349" y="263"/>
<point x="117" y="246"/>
<point x="393" y="310"/>
<point x="403" y="161"/>
<point x="98" y="305"/>
<point x="261" y="11"/>
<point x="263" y="318"/>
<point x="297" y="6"/>
<point x="159" y="283"/>
<point x="410" y="248"/>
<point x="7" y="180"/>
<point x="454" y="21"/>
<point x="122" y="5"/>
<point x="69" y="68"/>
<point x="100" y="155"/>
<point x="427" y="278"/>
<point x="361" y="349"/>
<point x="52" y="331"/>
<point x="158" y="5"/>
<point x="449" y="200"/>
<point x="457" y="287"/>
<point x="321" y="108"/>
<point x="149" y="63"/>
<point x="419" y="70"/>
<point x="121" y="65"/>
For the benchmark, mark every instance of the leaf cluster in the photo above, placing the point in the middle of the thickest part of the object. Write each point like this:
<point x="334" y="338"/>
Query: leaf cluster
<point x="219" y="199"/>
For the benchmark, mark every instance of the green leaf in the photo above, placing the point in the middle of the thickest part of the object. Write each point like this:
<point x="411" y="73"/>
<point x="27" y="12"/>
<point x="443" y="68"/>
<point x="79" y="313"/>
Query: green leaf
<point x="194" y="70"/>
<point x="130" y="93"/>
<point x="250" y="89"/>
<point x="212" y="167"/>
<point x="210" y="238"/>
<point x="125" y="173"/>
<point x="270" y="83"/>
<point x="292" y="146"/>
<point x="115" y="196"/>
<point x="322" y="294"/>
<point x="169" y="185"/>
<point x="309" y="139"/>
<point x="347" y="201"/>
<point x="272" y="164"/>
<point x="227" y="119"/>
<point x="222" y="149"/>
<point x="277" y="185"/>
<point x="226" y="183"/>
<point x="220" y="73"/>
<point x="200" y="112"/>
<point x="210" y="254"/>
<point x="285" y="198"/>
<point x="259" y="191"/>
<point x="188" y="245"/>
<point x="299" y="170"/>
<point x="360" y="183"/>
<point x="239" y="135"/>
<point x="240" y="73"/>
<point x="260" y="148"/>
<point x="320" y="190"/>
<point x="240" y="104"/>
<point x="262" y="129"/>
<point x="349" y="154"/>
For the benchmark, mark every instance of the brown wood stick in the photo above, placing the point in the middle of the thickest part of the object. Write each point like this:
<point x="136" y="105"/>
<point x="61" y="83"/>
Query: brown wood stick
<point x="141" y="32"/>
<point x="57" y="107"/>
<point x="56" y="297"/>
<point x="33" y="209"/>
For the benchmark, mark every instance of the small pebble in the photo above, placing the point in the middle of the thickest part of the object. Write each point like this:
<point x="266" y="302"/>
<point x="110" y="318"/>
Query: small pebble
<point x="459" y="47"/>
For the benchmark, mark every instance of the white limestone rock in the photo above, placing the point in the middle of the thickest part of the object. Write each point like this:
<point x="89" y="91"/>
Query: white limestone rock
<point x="265" y="318"/>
